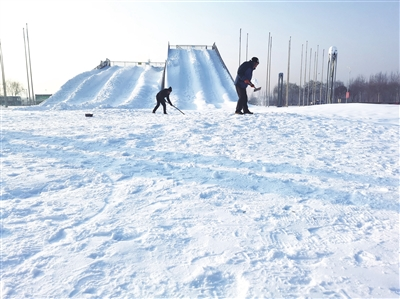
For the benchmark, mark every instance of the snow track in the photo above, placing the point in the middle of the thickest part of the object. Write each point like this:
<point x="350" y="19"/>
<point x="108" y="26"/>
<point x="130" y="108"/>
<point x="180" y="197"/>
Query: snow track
<point x="206" y="83"/>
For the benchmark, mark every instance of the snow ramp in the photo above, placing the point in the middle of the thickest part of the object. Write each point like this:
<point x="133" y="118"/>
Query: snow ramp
<point x="111" y="87"/>
<point x="198" y="77"/>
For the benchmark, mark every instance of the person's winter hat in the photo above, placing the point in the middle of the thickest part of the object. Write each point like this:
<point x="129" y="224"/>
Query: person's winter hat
<point x="170" y="88"/>
<point x="255" y="59"/>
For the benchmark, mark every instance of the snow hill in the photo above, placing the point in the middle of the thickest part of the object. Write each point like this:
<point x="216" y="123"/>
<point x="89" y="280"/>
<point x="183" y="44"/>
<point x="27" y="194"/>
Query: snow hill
<point x="198" y="78"/>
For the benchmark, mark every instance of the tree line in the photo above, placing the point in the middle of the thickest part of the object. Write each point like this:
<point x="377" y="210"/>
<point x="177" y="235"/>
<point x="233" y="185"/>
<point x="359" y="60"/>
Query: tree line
<point x="380" y="89"/>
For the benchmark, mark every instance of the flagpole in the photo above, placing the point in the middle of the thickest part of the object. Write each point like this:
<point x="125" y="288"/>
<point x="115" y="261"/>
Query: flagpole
<point x="4" y="79"/>
<point x="305" y="73"/>
<point x="27" y="70"/>
<point x="240" y="43"/>
<point x="30" y="66"/>
<point x="247" y="45"/>
<point x="266" y="81"/>
<point x="287" y="77"/>
<point x="301" y="72"/>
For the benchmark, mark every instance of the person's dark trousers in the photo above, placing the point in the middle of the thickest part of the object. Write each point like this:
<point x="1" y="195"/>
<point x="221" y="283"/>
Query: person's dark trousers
<point x="162" y="102"/>
<point x="242" y="101"/>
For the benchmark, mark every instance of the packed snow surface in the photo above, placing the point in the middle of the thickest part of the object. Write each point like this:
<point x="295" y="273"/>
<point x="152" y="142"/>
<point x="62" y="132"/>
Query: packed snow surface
<point x="288" y="202"/>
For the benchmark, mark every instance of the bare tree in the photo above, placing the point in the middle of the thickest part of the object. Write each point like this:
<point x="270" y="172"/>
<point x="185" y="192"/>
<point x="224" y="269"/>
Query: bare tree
<point x="394" y="88"/>
<point x="340" y="92"/>
<point x="14" y="88"/>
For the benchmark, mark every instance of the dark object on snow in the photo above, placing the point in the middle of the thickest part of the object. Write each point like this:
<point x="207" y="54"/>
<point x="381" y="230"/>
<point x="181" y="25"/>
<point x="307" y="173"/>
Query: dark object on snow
<point x="103" y="64"/>
<point x="160" y="97"/>
<point x="88" y="114"/>
<point x="243" y="79"/>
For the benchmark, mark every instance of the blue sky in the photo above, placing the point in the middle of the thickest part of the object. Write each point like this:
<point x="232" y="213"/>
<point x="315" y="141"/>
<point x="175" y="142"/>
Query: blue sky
<point x="70" y="37"/>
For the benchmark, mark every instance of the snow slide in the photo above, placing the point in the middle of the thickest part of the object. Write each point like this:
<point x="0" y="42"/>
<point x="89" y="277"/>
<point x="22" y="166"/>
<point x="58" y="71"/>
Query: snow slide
<point x="198" y="79"/>
<point x="112" y="87"/>
<point x="197" y="76"/>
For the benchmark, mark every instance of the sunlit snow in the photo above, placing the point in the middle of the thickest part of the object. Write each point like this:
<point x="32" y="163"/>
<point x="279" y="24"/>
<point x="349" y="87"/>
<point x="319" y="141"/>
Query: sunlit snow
<point x="288" y="202"/>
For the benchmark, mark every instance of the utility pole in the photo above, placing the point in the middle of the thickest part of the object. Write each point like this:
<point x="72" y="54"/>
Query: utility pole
<point x="4" y="79"/>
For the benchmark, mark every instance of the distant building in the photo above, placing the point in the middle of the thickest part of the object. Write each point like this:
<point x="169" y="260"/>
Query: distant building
<point x="18" y="101"/>
<point x="11" y="101"/>
<point x="42" y="97"/>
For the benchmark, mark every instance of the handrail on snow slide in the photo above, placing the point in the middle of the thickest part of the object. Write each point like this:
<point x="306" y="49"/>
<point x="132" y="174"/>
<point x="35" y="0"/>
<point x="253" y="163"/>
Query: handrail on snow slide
<point x="198" y="47"/>
<point x="137" y="63"/>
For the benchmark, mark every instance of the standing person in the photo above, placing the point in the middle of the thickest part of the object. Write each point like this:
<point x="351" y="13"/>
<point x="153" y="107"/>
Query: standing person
<point x="160" y="97"/>
<point x="243" y="79"/>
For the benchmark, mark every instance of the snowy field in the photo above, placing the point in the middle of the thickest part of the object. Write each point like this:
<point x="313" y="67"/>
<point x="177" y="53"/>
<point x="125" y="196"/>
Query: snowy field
<point x="298" y="202"/>
<point x="289" y="202"/>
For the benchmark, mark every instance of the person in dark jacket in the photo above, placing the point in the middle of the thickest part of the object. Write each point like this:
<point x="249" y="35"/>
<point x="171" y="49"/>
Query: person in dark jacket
<point x="160" y="97"/>
<point x="243" y="79"/>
